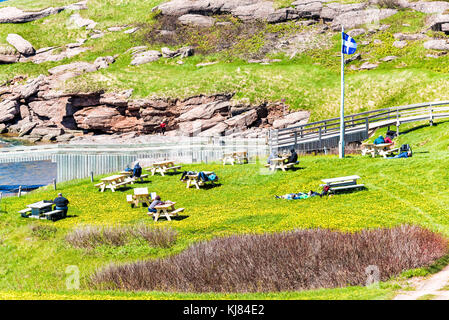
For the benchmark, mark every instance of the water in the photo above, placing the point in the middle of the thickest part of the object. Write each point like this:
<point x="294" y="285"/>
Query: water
<point x="29" y="175"/>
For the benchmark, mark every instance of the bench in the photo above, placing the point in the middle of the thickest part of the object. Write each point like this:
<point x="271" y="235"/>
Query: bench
<point x="54" y="215"/>
<point x="124" y="183"/>
<point x="173" y="168"/>
<point x="342" y="183"/>
<point x="352" y="186"/>
<point x="143" y="176"/>
<point x="98" y="185"/>
<point x="25" y="212"/>
<point x="167" y="215"/>
<point x="389" y="152"/>
<point x="176" y="211"/>
<point x="130" y="200"/>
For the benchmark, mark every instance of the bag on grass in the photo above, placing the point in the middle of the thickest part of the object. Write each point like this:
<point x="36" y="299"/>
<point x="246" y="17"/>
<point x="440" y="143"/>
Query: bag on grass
<point x="379" y="140"/>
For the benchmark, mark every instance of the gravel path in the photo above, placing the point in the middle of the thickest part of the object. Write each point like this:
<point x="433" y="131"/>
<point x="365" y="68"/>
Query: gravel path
<point x="431" y="287"/>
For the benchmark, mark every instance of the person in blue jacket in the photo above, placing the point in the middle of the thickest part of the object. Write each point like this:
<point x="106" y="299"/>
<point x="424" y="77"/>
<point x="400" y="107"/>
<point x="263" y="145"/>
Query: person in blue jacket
<point x="137" y="170"/>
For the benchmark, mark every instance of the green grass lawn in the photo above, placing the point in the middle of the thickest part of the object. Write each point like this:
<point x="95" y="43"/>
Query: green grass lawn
<point x="398" y="191"/>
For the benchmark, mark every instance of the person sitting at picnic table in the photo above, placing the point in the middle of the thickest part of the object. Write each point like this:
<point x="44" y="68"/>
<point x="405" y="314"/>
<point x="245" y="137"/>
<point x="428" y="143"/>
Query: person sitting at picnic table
<point x="271" y="156"/>
<point x="157" y="201"/>
<point x="293" y="158"/>
<point x="388" y="140"/>
<point x="404" y="154"/>
<point x="61" y="204"/>
<point x="137" y="170"/>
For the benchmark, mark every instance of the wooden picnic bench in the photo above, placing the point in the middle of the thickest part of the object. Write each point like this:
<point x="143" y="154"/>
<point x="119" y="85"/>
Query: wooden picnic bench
<point x="279" y="163"/>
<point x="113" y="182"/>
<point x="342" y="183"/>
<point x="141" y="195"/>
<point x="133" y="179"/>
<point x="239" y="157"/>
<point x="383" y="149"/>
<point x="42" y="210"/>
<point x="167" y="210"/>
<point x="163" y="166"/>
<point x="194" y="179"/>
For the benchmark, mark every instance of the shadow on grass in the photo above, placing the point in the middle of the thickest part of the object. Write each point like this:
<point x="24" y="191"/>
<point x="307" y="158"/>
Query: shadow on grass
<point x="208" y="186"/>
<point x="177" y="218"/>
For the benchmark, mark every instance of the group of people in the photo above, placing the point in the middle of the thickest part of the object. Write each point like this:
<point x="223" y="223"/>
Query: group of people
<point x="136" y="170"/>
<point x="405" y="151"/>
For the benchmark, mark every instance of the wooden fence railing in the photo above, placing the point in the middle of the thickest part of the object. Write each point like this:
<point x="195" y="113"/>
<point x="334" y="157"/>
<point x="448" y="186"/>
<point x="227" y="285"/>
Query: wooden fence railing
<point x="323" y="134"/>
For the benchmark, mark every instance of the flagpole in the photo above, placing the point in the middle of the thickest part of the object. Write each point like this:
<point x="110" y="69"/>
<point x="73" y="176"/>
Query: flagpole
<point x="341" y="144"/>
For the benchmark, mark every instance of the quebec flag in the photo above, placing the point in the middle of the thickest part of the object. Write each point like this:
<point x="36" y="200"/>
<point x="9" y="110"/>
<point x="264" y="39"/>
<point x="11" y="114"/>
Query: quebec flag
<point x="349" y="44"/>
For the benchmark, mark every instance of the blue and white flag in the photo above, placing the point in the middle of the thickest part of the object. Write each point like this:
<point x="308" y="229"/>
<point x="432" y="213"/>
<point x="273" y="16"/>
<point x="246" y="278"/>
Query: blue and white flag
<point x="349" y="44"/>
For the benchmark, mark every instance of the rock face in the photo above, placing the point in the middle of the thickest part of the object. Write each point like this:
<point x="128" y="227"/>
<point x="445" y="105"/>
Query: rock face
<point x="197" y="20"/>
<point x="350" y="15"/>
<point x="142" y="56"/>
<point x="14" y="15"/>
<point x="354" y="18"/>
<point x="439" y="22"/>
<point x="78" y="22"/>
<point x="21" y="45"/>
<point x="430" y="7"/>
<point x="36" y="110"/>
<point x="145" y="57"/>
<point x="440" y="44"/>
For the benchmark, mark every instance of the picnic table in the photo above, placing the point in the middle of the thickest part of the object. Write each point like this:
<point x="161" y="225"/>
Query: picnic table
<point x="41" y="210"/>
<point x="167" y="209"/>
<point x="163" y="166"/>
<point x="193" y="179"/>
<point x="383" y="149"/>
<point x="130" y="173"/>
<point x="279" y="163"/>
<point x="232" y="157"/>
<point x="113" y="182"/>
<point x="342" y="183"/>
<point x="141" y="195"/>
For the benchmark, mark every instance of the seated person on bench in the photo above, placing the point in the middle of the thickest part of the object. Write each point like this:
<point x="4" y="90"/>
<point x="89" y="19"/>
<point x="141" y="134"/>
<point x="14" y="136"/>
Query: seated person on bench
<point x="157" y="201"/>
<point x="137" y="171"/>
<point x="271" y="156"/>
<point x="404" y="152"/>
<point x="61" y="204"/>
<point x="293" y="158"/>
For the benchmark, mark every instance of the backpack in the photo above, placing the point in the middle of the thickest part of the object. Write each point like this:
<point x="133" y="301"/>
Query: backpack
<point x="405" y="148"/>
<point x="379" y="140"/>
<point x="212" y="177"/>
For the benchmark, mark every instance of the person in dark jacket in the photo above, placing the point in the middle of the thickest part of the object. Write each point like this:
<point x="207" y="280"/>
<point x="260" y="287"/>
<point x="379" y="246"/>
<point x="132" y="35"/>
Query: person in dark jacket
<point x="293" y="158"/>
<point x="137" y="170"/>
<point x="61" y="204"/>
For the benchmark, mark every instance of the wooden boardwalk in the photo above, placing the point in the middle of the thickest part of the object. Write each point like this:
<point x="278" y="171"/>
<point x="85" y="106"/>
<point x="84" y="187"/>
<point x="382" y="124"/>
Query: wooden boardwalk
<point x="325" y="134"/>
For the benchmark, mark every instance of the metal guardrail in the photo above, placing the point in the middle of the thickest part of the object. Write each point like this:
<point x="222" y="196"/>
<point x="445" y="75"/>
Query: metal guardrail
<point x="317" y="135"/>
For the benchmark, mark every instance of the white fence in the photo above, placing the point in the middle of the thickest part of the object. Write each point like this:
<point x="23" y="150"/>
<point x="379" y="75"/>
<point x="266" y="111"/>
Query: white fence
<point x="78" y="161"/>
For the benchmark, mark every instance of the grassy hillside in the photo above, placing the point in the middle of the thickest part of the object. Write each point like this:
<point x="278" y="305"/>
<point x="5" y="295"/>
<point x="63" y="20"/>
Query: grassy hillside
<point x="310" y="80"/>
<point x="399" y="191"/>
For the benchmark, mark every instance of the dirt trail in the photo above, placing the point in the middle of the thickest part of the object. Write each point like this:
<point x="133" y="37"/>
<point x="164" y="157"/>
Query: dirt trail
<point x="435" y="288"/>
